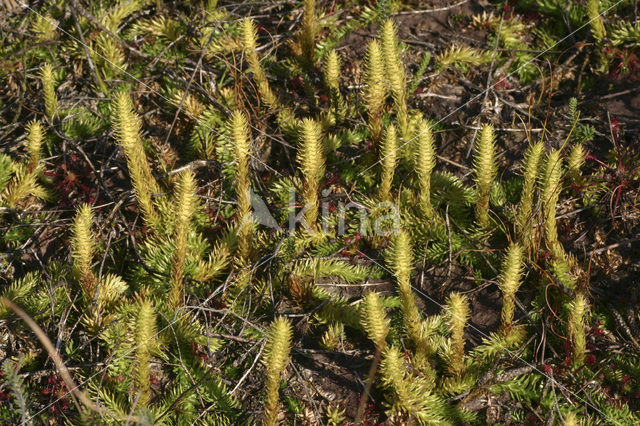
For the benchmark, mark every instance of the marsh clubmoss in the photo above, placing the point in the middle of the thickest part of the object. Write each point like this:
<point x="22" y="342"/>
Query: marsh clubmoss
<point x="50" y="97"/>
<point x="83" y="248"/>
<point x="311" y="163"/>
<point x="388" y="161"/>
<point x="374" y="320"/>
<point x="510" y="280"/>
<point x="238" y="130"/>
<point x="375" y="90"/>
<point x="486" y="171"/>
<point x="425" y="162"/>
<point x="184" y="203"/>
<point x="35" y="138"/>
<point x="458" y="314"/>
<point x="395" y="75"/>
<point x="275" y="359"/>
<point x="525" y="215"/>
<point x="145" y="341"/>
<point x="578" y="309"/>
<point x="127" y="127"/>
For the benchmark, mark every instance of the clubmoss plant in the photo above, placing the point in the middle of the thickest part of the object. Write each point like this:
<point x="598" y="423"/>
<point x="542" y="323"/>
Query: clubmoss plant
<point x="249" y="37"/>
<point x="575" y="161"/>
<point x="376" y="92"/>
<point x="425" y="162"/>
<point x="83" y="248"/>
<point x="185" y="202"/>
<point x="510" y="281"/>
<point x="127" y="128"/>
<point x="35" y="137"/>
<point x="145" y="341"/>
<point x="275" y="358"/>
<point x="331" y="80"/>
<point x="578" y="309"/>
<point x="458" y="310"/>
<point x="373" y="319"/>
<point x="550" y="194"/>
<point x="395" y="75"/>
<point x="595" y="20"/>
<point x="309" y="31"/>
<point x="50" y="97"/>
<point x="525" y="217"/>
<point x="311" y="162"/>
<point x="486" y="171"/>
<point x="239" y="132"/>
<point x="411" y="397"/>
<point x="400" y="258"/>
<point x="389" y="161"/>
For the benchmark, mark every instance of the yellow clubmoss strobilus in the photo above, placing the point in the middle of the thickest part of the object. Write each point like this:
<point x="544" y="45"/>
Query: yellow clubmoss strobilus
<point x="485" y="170"/>
<point x="309" y="31"/>
<point x="249" y="38"/>
<point x="184" y="203"/>
<point x="551" y="188"/>
<point x="50" y="97"/>
<point x="400" y="259"/>
<point x="35" y="137"/>
<point x="145" y="341"/>
<point x="238" y="130"/>
<point x="389" y="160"/>
<point x="578" y="309"/>
<point x="510" y="280"/>
<point x="374" y="320"/>
<point x="127" y="127"/>
<point x="458" y="310"/>
<point x="575" y="161"/>
<point x="375" y="91"/>
<point x="312" y="166"/>
<point x="83" y="248"/>
<point x="525" y="216"/>
<point x="275" y="359"/>
<point x="395" y="75"/>
<point x="425" y="162"/>
<point x="332" y="79"/>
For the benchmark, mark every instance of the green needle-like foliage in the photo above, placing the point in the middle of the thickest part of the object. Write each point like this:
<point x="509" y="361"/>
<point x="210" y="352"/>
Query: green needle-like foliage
<point x="550" y="193"/>
<point x="309" y="31"/>
<point x="83" y="248"/>
<point x="127" y="127"/>
<point x="578" y="309"/>
<point x="375" y="92"/>
<point x="145" y="341"/>
<point x="525" y="217"/>
<point x="311" y="162"/>
<point x="35" y="137"/>
<point x="458" y="309"/>
<point x="486" y="171"/>
<point x="249" y="37"/>
<point x="275" y="359"/>
<point x="50" y="97"/>
<point x="239" y="132"/>
<point x="389" y="161"/>
<point x="184" y="203"/>
<point x="412" y="399"/>
<point x="374" y="320"/>
<point x="425" y="162"/>
<point x="509" y="283"/>
<point x="396" y="76"/>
